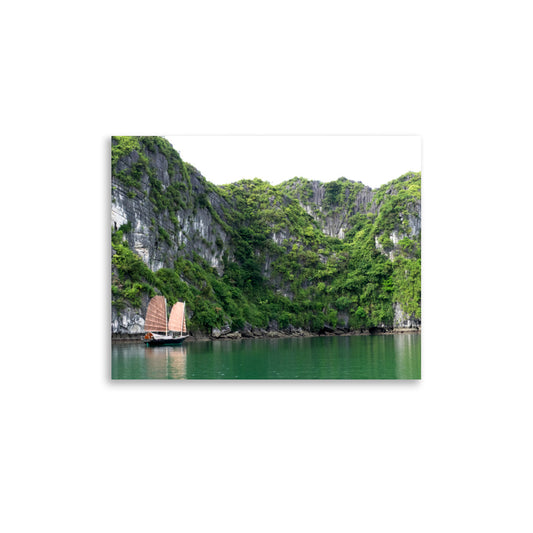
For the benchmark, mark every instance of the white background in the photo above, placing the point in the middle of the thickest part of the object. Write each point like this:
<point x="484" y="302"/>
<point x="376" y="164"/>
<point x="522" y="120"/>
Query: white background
<point x="450" y="453"/>
<point x="371" y="159"/>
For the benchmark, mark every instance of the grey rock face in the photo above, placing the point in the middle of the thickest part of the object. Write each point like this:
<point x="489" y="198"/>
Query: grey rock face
<point x="195" y="232"/>
<point x="335" y="220"/>
<point x="403" y="320"/>
<point x="128" y="322"/>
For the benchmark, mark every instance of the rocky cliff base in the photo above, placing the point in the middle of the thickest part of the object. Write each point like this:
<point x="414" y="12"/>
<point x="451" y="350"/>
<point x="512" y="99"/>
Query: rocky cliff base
<point x="260" y="333"/>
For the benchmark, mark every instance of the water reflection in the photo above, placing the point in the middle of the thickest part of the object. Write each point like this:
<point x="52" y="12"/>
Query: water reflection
<point x="166" y="362"/>
<point x="177" y="363"/>
<point x="407" y="366"/>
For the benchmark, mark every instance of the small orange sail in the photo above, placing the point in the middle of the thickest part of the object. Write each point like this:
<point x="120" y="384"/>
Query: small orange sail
<point x="156" y="315"/>
<point x="176" y="321"/>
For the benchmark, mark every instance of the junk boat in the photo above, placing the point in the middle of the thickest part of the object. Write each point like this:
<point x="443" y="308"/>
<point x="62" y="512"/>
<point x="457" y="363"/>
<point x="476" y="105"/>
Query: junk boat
<point x="159" y="331"/>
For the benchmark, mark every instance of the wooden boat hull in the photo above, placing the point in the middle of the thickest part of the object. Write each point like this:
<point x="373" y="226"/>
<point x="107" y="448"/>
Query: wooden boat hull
<point x="165" y="342"/>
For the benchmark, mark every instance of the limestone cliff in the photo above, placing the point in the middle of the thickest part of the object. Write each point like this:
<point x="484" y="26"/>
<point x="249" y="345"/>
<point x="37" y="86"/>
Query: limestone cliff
<point x="159" y="232"/>
<point x="333" y="204"/>
<point x="251" y="255"/>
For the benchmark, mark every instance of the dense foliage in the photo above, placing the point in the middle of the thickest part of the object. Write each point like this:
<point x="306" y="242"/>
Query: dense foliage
<point x="283" y="268"/>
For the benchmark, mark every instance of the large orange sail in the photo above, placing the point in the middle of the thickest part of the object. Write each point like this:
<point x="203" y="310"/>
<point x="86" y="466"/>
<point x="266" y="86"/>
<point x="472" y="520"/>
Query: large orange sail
<point x="156" y="315"/>
<point x="176" y="321"/>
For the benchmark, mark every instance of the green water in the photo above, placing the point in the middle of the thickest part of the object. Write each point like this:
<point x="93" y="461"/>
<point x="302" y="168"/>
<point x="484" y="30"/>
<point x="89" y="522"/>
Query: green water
<point x="357" y="357"/>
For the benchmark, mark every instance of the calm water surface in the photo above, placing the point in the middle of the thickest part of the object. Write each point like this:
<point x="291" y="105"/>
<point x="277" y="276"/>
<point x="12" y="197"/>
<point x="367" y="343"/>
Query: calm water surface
<point x="358" y="357"/>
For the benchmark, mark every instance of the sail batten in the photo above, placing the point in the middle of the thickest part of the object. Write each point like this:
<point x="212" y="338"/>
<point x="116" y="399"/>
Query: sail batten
<point x="156" y="315"/>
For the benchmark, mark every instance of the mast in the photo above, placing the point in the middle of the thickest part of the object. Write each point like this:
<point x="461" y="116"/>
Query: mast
<point x="166" y="320"/>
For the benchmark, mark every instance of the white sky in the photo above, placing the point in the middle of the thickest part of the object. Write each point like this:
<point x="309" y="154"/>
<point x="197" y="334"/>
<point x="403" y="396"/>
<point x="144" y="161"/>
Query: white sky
<point x="373" y="160"/>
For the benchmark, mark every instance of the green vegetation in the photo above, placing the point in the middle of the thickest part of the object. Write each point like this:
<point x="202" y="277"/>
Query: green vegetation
<point x="278" y="265"/>
<point x="130" y="276"/>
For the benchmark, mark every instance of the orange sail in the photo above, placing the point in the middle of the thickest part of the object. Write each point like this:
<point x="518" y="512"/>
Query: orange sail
<point x="156" y="315"/>
<point x="176" y="321"/>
